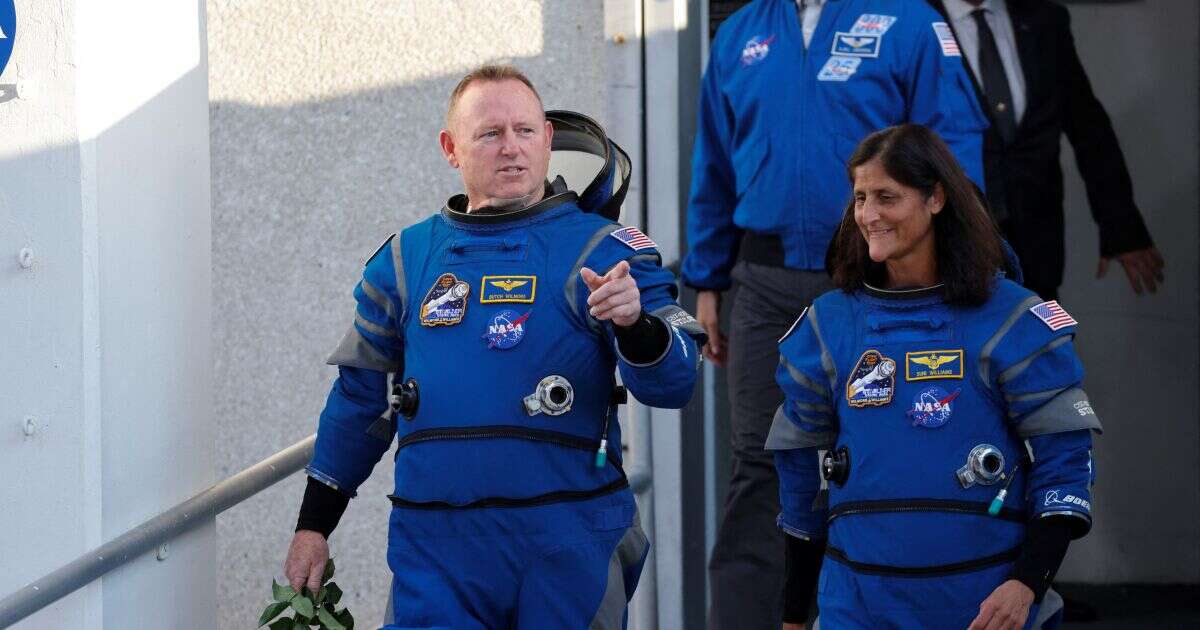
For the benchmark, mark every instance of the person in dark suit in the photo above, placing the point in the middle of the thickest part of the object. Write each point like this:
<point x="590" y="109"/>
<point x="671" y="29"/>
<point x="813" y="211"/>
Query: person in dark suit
<point x="1033" y="88"/>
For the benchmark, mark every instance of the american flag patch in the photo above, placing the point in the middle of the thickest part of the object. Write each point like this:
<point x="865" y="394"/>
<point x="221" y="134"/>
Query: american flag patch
<point x="946" y="39"/>
<point x="634" y="238"/>
<point x="1053" y="315"/>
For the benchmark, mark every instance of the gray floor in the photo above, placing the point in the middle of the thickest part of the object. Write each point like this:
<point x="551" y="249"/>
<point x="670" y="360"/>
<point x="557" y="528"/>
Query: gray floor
<point x="1137" y="606"/>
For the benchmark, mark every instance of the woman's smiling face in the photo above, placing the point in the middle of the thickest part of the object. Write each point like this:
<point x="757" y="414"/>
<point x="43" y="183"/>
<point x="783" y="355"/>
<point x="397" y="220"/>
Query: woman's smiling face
<point x="895" y="220"/>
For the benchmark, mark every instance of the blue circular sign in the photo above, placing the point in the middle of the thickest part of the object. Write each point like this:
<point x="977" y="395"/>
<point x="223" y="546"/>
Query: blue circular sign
<point x="506" y="329"/>
<point x="932" y="407"/>
<point x="8" y="31"/>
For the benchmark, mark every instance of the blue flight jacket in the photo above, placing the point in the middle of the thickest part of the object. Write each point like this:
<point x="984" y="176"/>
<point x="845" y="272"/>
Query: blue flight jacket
<point x="1003" y="374"/>
<point x="777" y="123"/>
<point x="479" y="309"/>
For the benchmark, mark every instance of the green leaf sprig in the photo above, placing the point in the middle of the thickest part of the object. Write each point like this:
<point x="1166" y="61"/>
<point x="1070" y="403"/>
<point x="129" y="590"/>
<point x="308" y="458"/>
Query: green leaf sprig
<point x="308" y="610"/>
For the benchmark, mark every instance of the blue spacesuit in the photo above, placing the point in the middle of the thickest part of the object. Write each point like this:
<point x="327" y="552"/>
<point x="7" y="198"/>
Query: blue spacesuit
<point x="947" y="430"/>
<point x="510" y="505"/>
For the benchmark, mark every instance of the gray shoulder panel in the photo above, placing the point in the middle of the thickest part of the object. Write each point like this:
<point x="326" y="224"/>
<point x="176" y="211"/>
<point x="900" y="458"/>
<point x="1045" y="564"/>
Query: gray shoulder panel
<point x="1068" y="411"/>
<point x="826" y="358"/>
<point x="401" y="284"/>
<point x="354" y="351"/>
<point x="785" y="435"/>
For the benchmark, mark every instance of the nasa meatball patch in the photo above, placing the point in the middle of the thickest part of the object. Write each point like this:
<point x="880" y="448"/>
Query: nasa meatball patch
<point x="506" y="329"/>
<point x="932" y="407"/>
<point x="872" y="383"/>
<point x="446" y="302"/>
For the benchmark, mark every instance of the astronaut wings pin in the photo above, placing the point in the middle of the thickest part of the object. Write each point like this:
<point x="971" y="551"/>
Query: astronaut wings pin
<point x="446" y="302"/>
<point x="872" y="383"/>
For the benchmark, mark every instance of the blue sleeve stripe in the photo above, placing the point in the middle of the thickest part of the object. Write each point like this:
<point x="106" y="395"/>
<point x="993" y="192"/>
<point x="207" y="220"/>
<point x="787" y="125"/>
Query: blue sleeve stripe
<point x="1016" y="370"/>
<point x="985" y="355"/>
<point x="373" y="328"/>
<point x="378" y="297"/>
<point x="802" y="379"/>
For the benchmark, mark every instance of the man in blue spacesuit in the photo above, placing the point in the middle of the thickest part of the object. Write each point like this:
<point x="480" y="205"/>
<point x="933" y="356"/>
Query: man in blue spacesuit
<point x="485" y="340"/>
<point x="791" y="87"/>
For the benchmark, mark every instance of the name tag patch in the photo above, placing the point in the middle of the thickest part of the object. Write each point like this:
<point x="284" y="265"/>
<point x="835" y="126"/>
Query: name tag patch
<point x="931" y="364"/>
<point x="839" y="69"/>
<point x="497" y="289"/>
<point x="856" y="45"/>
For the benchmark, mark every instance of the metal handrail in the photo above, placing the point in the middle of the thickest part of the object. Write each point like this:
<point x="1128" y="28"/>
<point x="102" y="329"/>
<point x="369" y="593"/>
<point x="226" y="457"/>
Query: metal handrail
<point x="171" y="524"/>
<point x="152" y="533"/>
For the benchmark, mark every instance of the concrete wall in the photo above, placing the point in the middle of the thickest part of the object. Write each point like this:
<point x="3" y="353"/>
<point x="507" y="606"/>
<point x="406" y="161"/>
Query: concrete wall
<point x="1144" y="60"/>
<point x="104" y="184"/>
<point x="324" y="123"/>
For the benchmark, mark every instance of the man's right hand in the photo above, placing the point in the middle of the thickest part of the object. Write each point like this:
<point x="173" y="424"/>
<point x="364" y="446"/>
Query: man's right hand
<point x="708" y="313"/>
<point x="306" y="560"/>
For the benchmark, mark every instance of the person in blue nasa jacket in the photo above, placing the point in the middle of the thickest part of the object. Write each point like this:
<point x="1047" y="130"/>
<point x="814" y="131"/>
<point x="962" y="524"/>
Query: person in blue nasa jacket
<point x="949" y="404"/>
<point x="484" y="344"/>
<point x="789" y="90"/>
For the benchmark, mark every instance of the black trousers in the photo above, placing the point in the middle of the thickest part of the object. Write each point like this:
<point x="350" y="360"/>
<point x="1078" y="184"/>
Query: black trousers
<point x="746" y="570"/>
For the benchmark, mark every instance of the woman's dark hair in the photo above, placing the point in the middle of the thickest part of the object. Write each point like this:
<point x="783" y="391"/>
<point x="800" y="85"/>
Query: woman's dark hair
<point x="966" y="239"/>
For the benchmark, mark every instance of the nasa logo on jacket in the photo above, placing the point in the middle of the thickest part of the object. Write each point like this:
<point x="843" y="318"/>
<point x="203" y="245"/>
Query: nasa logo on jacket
<point x="8" y="31"/>
<point x="757" y="48"/>
<point x="932" y="407"/>
<point x="506" y="329"/>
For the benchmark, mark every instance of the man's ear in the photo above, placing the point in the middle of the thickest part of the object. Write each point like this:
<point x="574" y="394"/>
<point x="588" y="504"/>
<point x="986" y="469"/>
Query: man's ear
<point x="549" y="134"/>
<point x="447" y="143"/>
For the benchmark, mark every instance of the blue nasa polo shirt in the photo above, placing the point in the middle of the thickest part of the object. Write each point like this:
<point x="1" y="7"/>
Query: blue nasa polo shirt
<point x="777" y="122"/>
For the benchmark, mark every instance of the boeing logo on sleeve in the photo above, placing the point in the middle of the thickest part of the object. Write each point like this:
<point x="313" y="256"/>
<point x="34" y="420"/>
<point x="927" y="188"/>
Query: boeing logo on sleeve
<point x="8" y="31"/>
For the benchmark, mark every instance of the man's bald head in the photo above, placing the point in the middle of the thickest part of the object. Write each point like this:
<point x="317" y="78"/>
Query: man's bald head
<point x="498" y="138"/>
<point x="486" y="73"/>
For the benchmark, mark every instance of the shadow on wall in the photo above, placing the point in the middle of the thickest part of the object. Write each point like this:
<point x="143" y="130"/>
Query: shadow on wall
<point x="302" y="195"/>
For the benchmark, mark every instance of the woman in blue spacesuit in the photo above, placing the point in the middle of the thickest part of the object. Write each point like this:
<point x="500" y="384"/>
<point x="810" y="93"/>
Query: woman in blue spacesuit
<point x="946" y="403"/>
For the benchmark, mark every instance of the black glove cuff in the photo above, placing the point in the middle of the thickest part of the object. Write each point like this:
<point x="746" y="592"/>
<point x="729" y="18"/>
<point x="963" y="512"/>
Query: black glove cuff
<point x="803" y="562"/>
<point x="321" y="509"/>
<point x="644" y="341"/>
<point x="1046" y="541"/>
